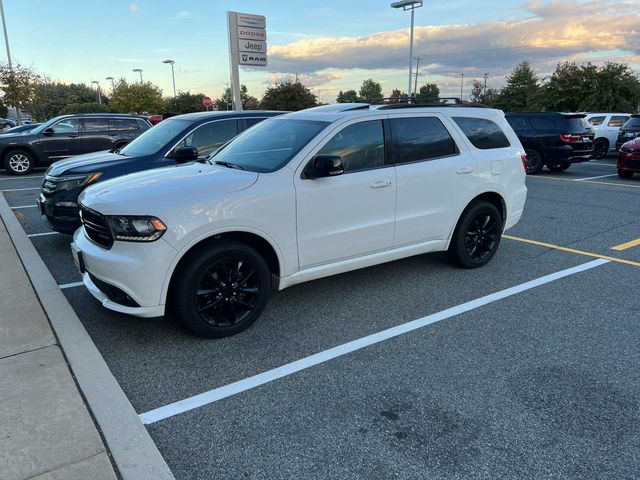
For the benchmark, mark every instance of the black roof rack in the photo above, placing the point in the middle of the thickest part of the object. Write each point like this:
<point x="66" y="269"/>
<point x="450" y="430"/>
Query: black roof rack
<point x="394" y="106"/>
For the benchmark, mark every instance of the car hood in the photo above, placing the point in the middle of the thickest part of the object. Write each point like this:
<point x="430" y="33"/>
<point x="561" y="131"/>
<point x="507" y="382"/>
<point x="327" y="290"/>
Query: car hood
<point x="153" y="191"/>
<point x="88" y="163"/>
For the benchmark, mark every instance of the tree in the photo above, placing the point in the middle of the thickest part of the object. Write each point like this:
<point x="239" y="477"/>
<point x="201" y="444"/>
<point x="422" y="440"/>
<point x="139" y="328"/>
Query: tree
<point x="55" y="98"/>
<point x="225" y="102"/>
<point x="185" y="102"/>
<point x="136" y="97"/>
<point x="370" y="90"/>
<point x="288" y="96"/>
<point x="428" y="93"/>
<point x="19" y="85"/>
<point x="91" y="107"/>
<point x="522" y="91"/>
<point x="477" y="91"/>
<point x="348" y="96"/>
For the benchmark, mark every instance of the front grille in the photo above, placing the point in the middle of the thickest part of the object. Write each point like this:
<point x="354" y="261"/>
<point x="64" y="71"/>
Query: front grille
<point x="49" y="185"/>
<point x="96" y="226"/>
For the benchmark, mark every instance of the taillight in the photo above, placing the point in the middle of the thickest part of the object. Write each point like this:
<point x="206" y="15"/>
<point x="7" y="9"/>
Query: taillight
<point x="524" y="162"/>
<point x="570" y="137"/>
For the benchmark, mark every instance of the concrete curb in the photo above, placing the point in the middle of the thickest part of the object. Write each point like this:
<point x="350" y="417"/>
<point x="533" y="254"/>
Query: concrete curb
<point x="131" y="446"/>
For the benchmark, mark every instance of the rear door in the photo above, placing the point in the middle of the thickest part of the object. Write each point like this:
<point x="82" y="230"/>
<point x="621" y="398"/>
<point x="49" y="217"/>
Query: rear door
<point x="95" y="134"/>
<point x="64" y="140"/>
<point x="435" y="181"/>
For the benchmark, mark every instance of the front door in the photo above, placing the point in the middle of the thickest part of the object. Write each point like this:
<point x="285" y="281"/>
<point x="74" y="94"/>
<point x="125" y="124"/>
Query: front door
<point x="63" y="141"/>
<point x="352" y="214"/>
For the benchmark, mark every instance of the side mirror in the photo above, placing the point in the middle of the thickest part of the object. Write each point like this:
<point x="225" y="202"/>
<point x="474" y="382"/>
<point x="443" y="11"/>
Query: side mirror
<point x="185" y="154"/>
<point x="324" y="166"/>
<point x="48" y="131"/>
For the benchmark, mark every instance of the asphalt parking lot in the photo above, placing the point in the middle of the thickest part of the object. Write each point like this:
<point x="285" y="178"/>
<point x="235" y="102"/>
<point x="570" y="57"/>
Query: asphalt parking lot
<point x="526" y="368"/>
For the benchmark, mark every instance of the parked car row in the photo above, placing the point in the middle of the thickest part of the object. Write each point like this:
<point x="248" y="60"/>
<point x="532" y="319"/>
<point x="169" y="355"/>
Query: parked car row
<point x="293" y="198"/>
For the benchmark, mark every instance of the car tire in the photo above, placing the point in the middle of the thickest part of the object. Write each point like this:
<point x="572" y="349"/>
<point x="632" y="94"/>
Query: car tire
<point x="18" y="162"/>
<point x="477" y="236"/>
<point x="625" y="174"/>
<point x="6" y="126"/>
<point x="558" y="167"/>
<point x="534" y="161"/>
<point x="221" y="290"/>
<point x="600" y="148"/>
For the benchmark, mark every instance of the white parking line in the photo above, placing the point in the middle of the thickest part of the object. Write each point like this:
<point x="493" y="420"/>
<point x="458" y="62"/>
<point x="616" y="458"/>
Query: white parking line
<point x="19" y="189"/>
<point x="23" y="206"/>
<point x="42" y="234"/>
<point x="592" y="163"/>
<point x="216" y="394"/>
<point x="70" y="285"/>
<point x="592" y="178"/>
<point x="39" y="177"/>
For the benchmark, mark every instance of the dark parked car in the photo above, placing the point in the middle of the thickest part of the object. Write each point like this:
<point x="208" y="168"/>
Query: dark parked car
<point x="629" y="131"/>
<point x="21" y="129"/>
<point x="629" y="158"/>
<point x="180" y="139"/>
<point x="68" y="135"/>
<point x="553" y="139"/>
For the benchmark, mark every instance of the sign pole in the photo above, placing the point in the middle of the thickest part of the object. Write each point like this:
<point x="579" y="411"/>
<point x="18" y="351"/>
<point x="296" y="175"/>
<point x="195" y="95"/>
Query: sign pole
<point x="232" y="22"/>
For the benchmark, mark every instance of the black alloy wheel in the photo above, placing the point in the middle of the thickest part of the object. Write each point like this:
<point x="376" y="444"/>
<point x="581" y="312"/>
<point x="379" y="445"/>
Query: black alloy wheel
<point x="221" y="290"/>
<point x="477" y="236"/>
<point x="533" y="162"/>
<point x="600" y="148"/>
<point x="558" y="167"/>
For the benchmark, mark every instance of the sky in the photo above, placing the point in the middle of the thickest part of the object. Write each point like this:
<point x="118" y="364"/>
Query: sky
<point x="332" y="45"/>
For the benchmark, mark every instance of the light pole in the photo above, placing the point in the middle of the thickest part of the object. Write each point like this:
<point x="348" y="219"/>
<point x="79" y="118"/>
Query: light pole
<point x="409" y="5"/>
<point x="112" y="82"/>
<point x="97" y="90"/>
<point x="461" y="84"/>
<point x="486" y="75"/>
<point x="173" y="75"/>
<point x="6" y="43"/>
<point x="139" y="70"/>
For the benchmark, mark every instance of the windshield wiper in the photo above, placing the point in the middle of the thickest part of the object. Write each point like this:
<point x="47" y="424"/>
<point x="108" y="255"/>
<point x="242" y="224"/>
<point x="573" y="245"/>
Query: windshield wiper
<point x="228" y="164"/>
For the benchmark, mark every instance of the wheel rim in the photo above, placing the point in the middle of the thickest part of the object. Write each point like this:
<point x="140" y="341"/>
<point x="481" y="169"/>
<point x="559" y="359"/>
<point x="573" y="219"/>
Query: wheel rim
<point x="531" y="162"/>
<point x="600" y="150"/>
<point x="227" y="292"/>
<point x="480" y="238"/>
<point x="19" y="163"/>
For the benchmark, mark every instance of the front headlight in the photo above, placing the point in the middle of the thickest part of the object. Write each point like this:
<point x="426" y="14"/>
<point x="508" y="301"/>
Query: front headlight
<point x="136" y="228"/>
<point x="75" y="181"/>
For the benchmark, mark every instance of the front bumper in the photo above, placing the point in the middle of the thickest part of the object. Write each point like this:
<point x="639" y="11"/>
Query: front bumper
<point x="59" y="213"/>
<point x="629" y="162"/>
<point x="136" y="269"/>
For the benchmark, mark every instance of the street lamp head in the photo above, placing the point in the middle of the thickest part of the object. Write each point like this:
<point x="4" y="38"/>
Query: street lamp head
<point x="95" y="81"/>
<point x="137" y="70"/>
<point x="169" y="61"/>
<point x="407" y="4"/>
<point x="109" y="78"/>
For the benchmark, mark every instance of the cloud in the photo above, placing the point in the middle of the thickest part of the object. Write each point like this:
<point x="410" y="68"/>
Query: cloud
<point x="309" y="79"/>
<point x="133" y="8"/>
<point x="546" y="35"/>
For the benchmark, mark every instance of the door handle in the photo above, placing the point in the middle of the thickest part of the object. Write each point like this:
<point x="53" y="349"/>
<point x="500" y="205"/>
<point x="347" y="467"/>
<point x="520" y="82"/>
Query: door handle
<point x="463" y="170"/>
<point x="381" y="184"/>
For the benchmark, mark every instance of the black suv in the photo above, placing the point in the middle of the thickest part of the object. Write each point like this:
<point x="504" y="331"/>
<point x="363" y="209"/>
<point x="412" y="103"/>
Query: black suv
<point x="553" y="139"/>
<point x="68" y="135"/>
<point x="628" y="131"/>
<point x="179" y="139"/>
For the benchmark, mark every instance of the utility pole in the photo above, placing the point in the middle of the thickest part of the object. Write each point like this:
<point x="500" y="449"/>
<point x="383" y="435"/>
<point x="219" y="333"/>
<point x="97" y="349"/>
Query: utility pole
<point x="6" y="43"/>
<point x="415" y="87"/>
<point x="486" y="75"/>
<point x="296" y="74"/>
<point x="461" y="84"/>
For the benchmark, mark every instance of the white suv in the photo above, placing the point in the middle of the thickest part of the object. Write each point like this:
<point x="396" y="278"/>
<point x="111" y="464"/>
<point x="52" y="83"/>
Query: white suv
<point x="296" y="198"/>
<point x="606" y="127"/>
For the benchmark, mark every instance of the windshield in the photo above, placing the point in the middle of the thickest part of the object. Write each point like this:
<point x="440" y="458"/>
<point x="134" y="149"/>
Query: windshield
<point x="269" y="145"/>
<point x="154" y="139"/>
<point x="45" y="125"/>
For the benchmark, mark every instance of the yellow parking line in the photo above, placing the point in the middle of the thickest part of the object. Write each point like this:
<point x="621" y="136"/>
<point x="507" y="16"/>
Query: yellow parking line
<point x="584" y="181"/>
<point x="571" y="250"/>
<point x="624" y="246"/>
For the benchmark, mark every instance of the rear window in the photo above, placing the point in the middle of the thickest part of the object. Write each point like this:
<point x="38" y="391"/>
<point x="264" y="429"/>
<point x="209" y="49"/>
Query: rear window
<point x="633" y="122"/>
<point x="420" y="138"/>
<point x="517" y="123"/>
<point x="575" y="125"/>
<point x="618" y="120"/>
<point x="482" y="133"/>
<point x="122" y="124"/>
<point x="96" y="124"/>
<point x="543" y="123"/>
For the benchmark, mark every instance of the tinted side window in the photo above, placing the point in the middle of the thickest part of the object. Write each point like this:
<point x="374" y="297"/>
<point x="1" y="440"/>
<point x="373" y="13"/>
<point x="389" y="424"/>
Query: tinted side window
<point x="420" y="138"/>
<point x="483" y="134"/>
<point x="595" y="121"/>
<point x="633" y="122"/>
<point x="123" y="124"/>
<point x="96" y="124"/>
<point x="517" y="123"/>
<point x="210" y="136"/>
<point x="68" y="125"/>
<point x="542" y="123"/>
<point x="617" y="121"/>
<point x="361" y="146"/>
